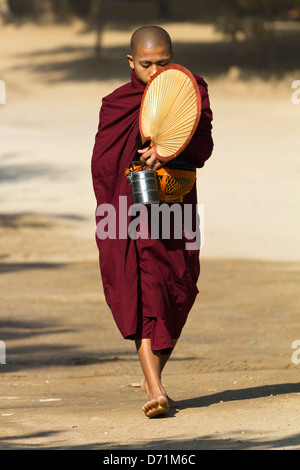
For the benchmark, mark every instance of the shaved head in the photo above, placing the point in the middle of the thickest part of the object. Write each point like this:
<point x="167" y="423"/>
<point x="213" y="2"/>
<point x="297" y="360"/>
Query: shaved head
<point x="150" y="37"/>
<point x="151" y="49"/>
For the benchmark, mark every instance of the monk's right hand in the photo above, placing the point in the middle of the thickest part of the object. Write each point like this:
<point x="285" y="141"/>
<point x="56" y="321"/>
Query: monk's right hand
<point x="148" y="156"/>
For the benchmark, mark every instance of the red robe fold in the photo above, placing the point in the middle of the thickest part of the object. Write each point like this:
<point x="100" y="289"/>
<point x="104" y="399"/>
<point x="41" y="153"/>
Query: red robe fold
<point x="150" y="281"/>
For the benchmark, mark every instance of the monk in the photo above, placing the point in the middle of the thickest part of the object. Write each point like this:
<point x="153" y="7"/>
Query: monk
<point x="150" y="285"/>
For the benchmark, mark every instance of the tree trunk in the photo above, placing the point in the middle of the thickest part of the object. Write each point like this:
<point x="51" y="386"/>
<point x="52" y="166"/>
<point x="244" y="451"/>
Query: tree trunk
<point x="5" y="13"/>
<point x="43" y="11"/>
<point x="163" y="8"/>
<point x="97" y="20"/>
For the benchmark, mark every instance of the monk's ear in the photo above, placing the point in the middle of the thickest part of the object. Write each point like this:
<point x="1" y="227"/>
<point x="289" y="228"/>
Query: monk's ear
<point x="130" y="61"/>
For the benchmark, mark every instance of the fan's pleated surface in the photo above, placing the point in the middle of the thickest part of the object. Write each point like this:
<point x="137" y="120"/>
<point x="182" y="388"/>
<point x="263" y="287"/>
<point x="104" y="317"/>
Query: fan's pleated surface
<point x="170" y="110"/>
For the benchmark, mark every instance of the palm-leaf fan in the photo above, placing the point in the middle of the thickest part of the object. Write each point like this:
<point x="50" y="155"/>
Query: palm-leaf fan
<point x="170" y="111"/>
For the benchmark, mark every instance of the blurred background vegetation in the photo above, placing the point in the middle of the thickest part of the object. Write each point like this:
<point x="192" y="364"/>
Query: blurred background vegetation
<point x="262" y="33"/>
<point x="229" y="12"/>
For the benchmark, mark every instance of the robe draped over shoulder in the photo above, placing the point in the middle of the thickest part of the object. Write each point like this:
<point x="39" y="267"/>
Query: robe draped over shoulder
<point x="147" y="278"/>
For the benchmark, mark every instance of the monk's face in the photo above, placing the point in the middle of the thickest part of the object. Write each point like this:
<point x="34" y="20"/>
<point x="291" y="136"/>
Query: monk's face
<point x="148" y="60"/>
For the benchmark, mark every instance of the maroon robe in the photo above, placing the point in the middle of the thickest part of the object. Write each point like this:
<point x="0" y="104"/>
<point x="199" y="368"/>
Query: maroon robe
<point x="145" y="280"/>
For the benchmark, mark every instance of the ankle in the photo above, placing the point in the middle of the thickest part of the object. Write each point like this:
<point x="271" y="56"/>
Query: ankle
<point x="156" y="391"/>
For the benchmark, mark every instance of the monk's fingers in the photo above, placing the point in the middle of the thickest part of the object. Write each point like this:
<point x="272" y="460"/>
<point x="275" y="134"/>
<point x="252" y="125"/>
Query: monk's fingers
<point x="157" y="165"/>
<point x="147" y="155"/>
<point x="151" y="162"/>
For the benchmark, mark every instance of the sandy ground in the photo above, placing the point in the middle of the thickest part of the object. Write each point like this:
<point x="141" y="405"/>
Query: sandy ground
<point x="69" y="381"/>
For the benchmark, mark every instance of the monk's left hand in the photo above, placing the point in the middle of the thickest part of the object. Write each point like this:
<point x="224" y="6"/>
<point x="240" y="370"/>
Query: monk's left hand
<point x="149" y="157"/>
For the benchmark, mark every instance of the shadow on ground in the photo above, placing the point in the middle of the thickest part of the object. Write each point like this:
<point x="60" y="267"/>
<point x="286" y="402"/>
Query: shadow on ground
<point x="210" y="442"/>
<point x="209" y="59"/>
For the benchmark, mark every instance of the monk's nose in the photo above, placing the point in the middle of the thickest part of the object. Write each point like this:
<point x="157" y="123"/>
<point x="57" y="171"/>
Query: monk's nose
<point x="154" y="69"/>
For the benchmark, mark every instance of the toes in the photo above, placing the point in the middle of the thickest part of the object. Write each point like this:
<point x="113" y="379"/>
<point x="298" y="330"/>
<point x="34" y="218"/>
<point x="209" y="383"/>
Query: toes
<point x="150" y="405"/>
<point x="156" y="407"/>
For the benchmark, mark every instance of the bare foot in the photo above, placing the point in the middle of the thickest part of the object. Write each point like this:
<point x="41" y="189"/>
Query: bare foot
<point x="144" y="386"/>
<point x="156" y="407"/>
